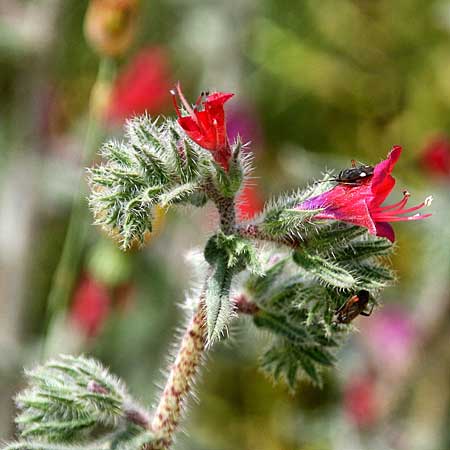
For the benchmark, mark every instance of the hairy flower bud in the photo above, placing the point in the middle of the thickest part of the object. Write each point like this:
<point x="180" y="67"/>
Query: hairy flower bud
<point x="110" y="25"/>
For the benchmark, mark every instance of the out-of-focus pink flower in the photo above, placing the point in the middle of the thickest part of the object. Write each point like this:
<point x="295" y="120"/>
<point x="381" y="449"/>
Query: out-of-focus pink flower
<point x="205" y="123"/>
<point x="250" y="201"/>
<point x="360" y="400"/>
<point x="435" y="158"/>
<point x="360" y="203"/>
<point x="242" y="121"/>
<point x="90" y="306"/>
<point x="391" y="336"/>
<point x="142" y="86"/>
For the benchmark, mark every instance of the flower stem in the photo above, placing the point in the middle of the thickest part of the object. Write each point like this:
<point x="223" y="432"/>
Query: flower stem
<point x="180" y="380"/>
<point x="66" y="271"/>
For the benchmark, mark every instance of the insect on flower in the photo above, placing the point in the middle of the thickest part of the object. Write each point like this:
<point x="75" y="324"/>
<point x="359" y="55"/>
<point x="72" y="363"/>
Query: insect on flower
<point x="361" y="203"/>
<point x="355" y="174"/>
<point x="354" y="307"/>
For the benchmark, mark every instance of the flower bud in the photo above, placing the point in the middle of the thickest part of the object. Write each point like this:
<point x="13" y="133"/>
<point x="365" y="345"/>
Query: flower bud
<point x="110" y="25"/>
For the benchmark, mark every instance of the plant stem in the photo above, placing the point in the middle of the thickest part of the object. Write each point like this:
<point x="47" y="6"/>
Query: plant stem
<point x="180" y="380"/>
<point x="252" y="231"/>
<point x="192" y="347"/>
<point x="66" y="271"/>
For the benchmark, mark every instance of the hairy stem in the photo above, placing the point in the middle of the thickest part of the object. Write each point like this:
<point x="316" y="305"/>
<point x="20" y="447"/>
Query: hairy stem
<point x="252" y="231"/>
<point x="226" y="208"/>
<point x="182" y="372"/>
<point x="180" y="380"/>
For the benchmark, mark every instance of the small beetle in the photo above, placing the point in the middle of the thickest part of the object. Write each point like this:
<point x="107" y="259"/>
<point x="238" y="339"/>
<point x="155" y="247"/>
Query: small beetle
<point x="354" y="176"/>
<point x="354" y="307"/>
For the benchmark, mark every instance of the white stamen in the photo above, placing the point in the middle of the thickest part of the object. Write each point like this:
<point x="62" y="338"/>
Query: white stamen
<point x="363" y="174"/>
<point x="428" y="200"/>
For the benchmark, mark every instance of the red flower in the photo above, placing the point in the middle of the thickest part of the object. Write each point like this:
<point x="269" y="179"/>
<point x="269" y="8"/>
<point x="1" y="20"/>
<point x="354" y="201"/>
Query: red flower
<point x="250" y="201"/>
<point x="142" y="86"/>
<point x="205" y="123"/>
<point x="436" y="157"/>
<point x="360" y="204"/>
<point x="90" y="306"/>
<point x="360" y="400"/>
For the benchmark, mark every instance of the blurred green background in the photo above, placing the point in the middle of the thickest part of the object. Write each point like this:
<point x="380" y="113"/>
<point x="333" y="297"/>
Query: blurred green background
<point x="316" y="84"/>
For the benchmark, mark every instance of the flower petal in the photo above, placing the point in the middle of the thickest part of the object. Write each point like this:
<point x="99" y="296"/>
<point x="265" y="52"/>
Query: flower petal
<point x="385" y="230"/>
<point x="218" y="98"/>
<point x="382" y="181"/>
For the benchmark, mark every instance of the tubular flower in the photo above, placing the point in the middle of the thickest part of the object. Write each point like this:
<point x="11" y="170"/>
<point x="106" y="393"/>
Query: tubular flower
<point x="205" y="123"/>
<point x="360" y="203"/>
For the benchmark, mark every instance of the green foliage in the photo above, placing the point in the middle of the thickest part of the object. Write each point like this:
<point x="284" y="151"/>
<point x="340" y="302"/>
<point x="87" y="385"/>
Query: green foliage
<point x="229" y="182"/>
<point x="36" y="445"/>
<point x="346" y="257"/>
<point x="227" y="255"/>
<point x="237" y="252"/>
<point x="302" y="340"/>
<point x="219" y="309"/>
<point x="155" y="165"/>
<point x="297" y="297"/>
<point x="279" y="220"/>
<point x="132" y="438"/>
<point x="70" y="397"/>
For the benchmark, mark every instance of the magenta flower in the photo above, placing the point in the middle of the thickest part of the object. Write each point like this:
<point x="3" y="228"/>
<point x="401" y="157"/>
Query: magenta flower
<point x="205" y="123"/>
<point x="391" y="337"/>
<point x="360" y="203"/>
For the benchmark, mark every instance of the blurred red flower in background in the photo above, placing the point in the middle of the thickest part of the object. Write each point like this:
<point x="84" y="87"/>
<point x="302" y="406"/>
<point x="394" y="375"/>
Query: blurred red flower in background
<point x="360" y="203"/>
<point x="360" y="400"/>
<point x="250" y="201"/>
<point x="143" y="85"/>
<point x="90" y="306"/>
<point x="435" y="158"/>
<point x="205" y="123"/>
<point x="94" y="301"/>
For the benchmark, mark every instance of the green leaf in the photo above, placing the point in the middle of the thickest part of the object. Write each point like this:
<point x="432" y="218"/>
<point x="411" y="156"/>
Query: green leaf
<point x="284" y="360"/>
<point x="178" y="194"/>
<point x="237" y="252"/>
<point x="37" y="445"/>
<point x="287" y="223"/>
<point x="357" y="250"/>
<point x="281" y="327"/>
<point x="219" y="309"/>
<point x="331" y="236"/>
<point x="258" y="285"/>
<point x="372" y="276"/>
<point x="132" y="438"/>
<point x="324" y="270"/>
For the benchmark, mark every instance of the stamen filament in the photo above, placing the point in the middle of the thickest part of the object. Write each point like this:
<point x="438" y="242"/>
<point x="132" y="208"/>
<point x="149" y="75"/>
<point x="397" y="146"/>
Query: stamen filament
<point x="175" y="103"/>
<point x="404" y="211"/>
<point x="187" y="105"/>
<point x="399" y="204"/>
<point x="401" y="219"/>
